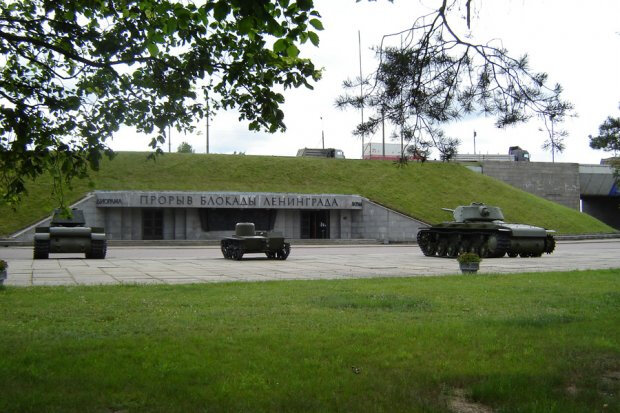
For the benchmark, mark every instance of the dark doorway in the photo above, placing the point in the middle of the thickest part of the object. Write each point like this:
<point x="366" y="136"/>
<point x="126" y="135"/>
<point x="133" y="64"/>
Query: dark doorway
<point x="152" y="224"/>
<point x="315" y="224"/>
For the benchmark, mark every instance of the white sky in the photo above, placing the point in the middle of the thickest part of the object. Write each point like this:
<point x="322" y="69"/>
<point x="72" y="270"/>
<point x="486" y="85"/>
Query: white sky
<point x="576" y="42"/>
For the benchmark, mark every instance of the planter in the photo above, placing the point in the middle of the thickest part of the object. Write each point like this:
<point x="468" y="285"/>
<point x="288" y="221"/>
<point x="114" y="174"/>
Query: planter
<point x="2" y="276"/>
<point x="469" y="267"/>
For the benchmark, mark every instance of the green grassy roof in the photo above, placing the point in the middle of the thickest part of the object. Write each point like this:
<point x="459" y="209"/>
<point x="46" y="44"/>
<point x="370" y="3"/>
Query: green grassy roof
<point x="418" y="190"/>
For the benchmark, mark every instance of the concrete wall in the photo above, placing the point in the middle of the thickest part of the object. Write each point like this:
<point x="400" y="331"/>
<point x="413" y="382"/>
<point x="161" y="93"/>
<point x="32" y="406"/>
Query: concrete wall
<point x="557" y="182"/>
<point x="377" y="222"/>
<point x="373" y="221"/>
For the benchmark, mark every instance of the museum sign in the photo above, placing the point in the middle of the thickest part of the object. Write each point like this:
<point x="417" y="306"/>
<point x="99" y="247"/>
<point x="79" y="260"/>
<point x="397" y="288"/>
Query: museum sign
<point x="262" y="200"/>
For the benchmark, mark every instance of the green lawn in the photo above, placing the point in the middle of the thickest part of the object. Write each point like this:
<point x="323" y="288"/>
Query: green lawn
<point x="515" y="343"/>
<point x="418" y="190"/>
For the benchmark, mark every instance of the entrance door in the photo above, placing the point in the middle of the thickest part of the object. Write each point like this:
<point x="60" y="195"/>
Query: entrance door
<point x="152" y="224"/>
<point x="315" y="224"/>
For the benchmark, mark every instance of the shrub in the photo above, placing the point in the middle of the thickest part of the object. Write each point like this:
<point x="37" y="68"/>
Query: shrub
<point x="469" y="257"/>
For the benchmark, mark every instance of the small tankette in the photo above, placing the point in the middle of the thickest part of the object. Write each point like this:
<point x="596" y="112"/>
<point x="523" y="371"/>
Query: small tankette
<point x="248" y="240"/>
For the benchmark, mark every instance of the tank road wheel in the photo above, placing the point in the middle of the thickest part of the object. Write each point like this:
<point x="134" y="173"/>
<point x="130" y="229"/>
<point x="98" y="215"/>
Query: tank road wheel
<point x="483" y="251"/>
<point x="431" y="249"/>
<point x="271" y="255"/>
<point x="41" y="249"/>
<point x="451" y="249"/>
<point x="513" y="254"/>
<point x="441" y="248"/>
<point x="237" y="254"/>
<point x="497" y="244"/>
<point x="492" y="245"/>
<point x="462" y="248"/>
<point x="283" y="253"/>
<point x="227" y="250"/>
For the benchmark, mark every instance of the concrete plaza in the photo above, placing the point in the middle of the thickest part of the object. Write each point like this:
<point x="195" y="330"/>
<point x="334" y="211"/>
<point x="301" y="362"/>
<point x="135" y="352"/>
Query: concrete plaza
<point x="179" y="265"/>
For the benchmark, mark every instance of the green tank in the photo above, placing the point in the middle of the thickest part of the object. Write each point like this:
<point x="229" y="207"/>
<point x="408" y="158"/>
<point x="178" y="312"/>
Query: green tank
<point x="481" y="229"/>
<point x="69" y="234"/>
<point x="248" y="240"/>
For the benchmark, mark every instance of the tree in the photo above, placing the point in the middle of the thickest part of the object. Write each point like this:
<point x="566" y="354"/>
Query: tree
<point x="185" y="147"/>
<point x="555" y="139"/>
<point x="608" y="139"/>
<point x="437" y="76"/>
<point x="74" y="71"/>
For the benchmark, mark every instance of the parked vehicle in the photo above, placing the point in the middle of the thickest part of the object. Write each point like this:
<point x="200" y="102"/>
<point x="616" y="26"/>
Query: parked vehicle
<point x="321" y="153"/>
<point x="480" y="228"/>
<point x="247" y="240"/>
<point x="69" y="234"/>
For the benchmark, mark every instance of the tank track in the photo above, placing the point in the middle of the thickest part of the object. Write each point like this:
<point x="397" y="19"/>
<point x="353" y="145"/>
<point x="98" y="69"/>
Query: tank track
<point x="98" y="249"/>
<point x="233" y="250"/>
<point x="487" y="244"/>
<point x="41" y="249"/>
<point x="549" y="244"/>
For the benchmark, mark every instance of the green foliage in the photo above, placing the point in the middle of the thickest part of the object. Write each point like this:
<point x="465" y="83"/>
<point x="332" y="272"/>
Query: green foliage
<point x="608" y="139"/>
<point x="74" y="72"/>
<point x="419" y="190"/>
<point x="185" y="147"/>
<point x="3" y="265"/>
<point x="437" y="76"/>
<point x="544" y="342"/>
<point x="468" y="257"/>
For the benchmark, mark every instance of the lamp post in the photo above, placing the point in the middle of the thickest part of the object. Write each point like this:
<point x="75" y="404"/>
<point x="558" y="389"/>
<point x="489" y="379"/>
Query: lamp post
<point x="551" y="118"/>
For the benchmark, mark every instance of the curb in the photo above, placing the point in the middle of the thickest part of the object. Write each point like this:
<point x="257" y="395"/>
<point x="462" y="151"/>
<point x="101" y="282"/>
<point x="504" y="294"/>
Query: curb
<point x="307" y="242"/>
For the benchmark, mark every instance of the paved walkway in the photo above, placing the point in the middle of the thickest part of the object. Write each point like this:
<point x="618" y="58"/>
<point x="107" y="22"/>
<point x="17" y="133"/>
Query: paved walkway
<point x="167" y="265"/>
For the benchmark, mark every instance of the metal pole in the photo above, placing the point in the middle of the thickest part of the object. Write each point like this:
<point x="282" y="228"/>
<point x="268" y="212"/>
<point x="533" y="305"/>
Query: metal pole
<point x="207" y="126"/>
<point x="474" y="142"/>
<point x="169" y="141"/>
<point x="322" y="134"/>
<point x="359" y="46"/>
<point x="552" y="140"/>
<point x="383" y="131"/>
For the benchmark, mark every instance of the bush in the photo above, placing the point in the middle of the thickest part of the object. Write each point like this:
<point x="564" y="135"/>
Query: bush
<point x="468" y="257"/>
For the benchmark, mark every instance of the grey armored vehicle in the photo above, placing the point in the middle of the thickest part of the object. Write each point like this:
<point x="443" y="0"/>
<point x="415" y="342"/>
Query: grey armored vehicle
<point x="480" y="228"/>
<point x="247" y="240"/>
<point x="69" y="234"/>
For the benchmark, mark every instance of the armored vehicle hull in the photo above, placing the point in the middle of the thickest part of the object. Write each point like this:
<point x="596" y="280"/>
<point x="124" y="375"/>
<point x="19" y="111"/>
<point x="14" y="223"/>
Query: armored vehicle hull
<point x="69" y="235"/>
<point x="246" y="241"/>
<point x="480" y="229"/>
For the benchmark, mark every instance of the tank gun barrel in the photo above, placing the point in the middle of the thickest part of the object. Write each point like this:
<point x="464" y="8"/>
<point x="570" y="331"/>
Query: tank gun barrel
<point x="448" y="210"/>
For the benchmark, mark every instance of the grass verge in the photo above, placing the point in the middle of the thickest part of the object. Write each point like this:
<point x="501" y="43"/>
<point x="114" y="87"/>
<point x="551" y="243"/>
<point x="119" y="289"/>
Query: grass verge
<point x="520" y="343"/>
<point x="418" y="190"/>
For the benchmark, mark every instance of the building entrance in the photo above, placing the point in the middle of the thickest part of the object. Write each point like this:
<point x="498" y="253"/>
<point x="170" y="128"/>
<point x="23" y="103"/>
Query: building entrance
<point x="152" y="224"/>
<point x="315" y="224"/>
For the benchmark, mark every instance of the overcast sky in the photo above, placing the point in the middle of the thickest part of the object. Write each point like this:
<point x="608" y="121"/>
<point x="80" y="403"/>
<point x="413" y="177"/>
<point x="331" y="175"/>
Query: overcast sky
<point x="576" y="42"/>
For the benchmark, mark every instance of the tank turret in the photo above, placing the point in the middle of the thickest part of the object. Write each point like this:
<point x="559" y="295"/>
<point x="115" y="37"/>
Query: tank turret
<point x="477" y="212"/>
<point x="247" y="240"/>
<point x="481" y="229"/>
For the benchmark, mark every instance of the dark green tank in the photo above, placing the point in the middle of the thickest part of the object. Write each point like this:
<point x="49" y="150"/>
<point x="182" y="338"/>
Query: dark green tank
<point x="247" y="240"/>
<point x="69" y="234"/>
<point x="481" y="229"/>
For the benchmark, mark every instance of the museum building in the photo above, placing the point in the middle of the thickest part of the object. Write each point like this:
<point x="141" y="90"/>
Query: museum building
<point x="179" y="215"/>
